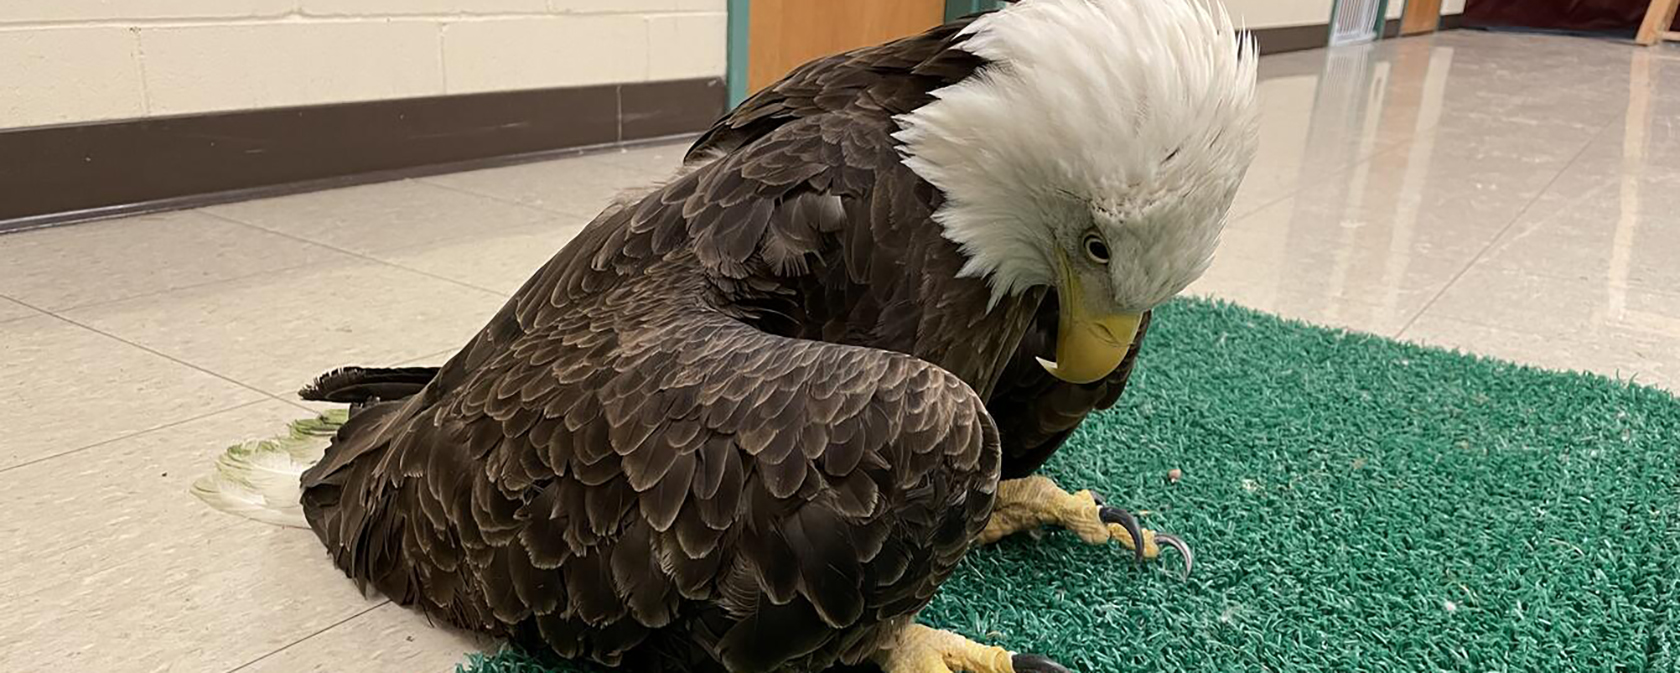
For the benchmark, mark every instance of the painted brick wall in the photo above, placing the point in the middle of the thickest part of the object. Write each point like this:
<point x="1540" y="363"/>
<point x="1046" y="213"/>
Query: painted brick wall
<point x="67" y="61"/>
<point x="1278" y="13"/>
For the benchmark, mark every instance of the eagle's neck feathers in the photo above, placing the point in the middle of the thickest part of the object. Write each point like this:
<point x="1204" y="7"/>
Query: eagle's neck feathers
<point x="1135" y="115"/>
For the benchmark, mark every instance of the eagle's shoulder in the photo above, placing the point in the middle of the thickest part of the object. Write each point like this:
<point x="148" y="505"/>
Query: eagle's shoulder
<point x="892" y="78"/>
<point x="805" y="168"/>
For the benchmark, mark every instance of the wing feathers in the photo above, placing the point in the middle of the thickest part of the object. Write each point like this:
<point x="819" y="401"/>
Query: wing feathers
<point x="628" y="446"/>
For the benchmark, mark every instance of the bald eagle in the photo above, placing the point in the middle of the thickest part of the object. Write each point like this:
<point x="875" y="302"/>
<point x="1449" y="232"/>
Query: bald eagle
<point x="749" y="420"/>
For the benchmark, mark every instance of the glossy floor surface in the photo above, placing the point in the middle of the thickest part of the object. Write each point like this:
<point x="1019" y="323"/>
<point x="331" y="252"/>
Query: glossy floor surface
<point x="1512" y="195"/>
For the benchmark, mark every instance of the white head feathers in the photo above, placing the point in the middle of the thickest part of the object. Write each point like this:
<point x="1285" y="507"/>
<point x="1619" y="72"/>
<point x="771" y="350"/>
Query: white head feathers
<point x="1131" y="117"/>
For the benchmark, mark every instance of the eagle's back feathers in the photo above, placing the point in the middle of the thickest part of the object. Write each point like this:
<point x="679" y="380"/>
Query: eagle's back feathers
<point x="750" y="418"/>
<point x="663" y="446"/>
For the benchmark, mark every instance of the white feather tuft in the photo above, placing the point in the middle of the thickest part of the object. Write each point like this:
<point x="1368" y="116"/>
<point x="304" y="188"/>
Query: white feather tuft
<point x="1133" y="116"/>
<point x="260" y="480"/>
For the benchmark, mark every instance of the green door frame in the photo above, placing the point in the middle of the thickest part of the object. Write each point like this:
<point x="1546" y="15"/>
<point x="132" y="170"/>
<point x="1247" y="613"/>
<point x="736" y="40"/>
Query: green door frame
<point x="740" y="31"/>
<point x="740" y="28"/>
<point x="956" y="9"/>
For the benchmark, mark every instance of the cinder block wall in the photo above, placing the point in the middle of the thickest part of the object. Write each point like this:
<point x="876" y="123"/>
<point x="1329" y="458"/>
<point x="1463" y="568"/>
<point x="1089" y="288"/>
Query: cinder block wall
<point x="1258" y="14"/>
<point x="70" y="61"/>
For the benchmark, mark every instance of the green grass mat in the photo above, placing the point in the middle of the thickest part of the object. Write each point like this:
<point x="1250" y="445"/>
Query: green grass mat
<point x="1355" y="504"/>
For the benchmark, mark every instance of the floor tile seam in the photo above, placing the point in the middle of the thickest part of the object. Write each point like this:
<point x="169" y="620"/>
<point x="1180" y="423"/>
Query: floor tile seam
<point x="1532" y="201"/>
<point x="155" y="352"/>
<point x="189" y="286"/>
<point x="297" y="405"/>
<point x="420" y="247"/>
<point x="1636" y="286"/>
<point x="546" y="210"/>
<point x="34" y="312"/>
<point x="131" y="435"/>
<point x="361" y="256"/>
<point x="308" y="637"/>
<point x="1299" y="186"/>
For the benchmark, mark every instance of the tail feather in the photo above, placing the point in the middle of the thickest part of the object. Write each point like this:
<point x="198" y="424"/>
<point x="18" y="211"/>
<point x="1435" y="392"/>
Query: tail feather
<point x="359" y="385"/>
<point x="259" y="480"/>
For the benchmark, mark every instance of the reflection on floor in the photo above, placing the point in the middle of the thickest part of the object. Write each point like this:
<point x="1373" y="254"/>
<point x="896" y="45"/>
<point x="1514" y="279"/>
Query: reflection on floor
<point x="1513" y="195"/>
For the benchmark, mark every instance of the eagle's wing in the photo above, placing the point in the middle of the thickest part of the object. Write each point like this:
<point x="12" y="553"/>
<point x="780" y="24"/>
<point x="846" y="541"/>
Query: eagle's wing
<point x="626" y="465"/>
<point x="1034" y="411"/>
<point x="620" y="448"/>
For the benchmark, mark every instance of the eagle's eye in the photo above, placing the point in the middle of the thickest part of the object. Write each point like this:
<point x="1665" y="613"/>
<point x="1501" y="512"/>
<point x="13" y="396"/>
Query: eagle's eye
<point x="1096" y="249"/>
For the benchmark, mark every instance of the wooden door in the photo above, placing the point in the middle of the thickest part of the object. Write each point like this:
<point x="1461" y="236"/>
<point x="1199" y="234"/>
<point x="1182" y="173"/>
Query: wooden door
<point x="785" y="34"/>
<point x="1421" y="16"/>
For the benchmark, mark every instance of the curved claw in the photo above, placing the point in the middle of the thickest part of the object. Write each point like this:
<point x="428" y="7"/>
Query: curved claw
<point x="1033" y="663"/>
<point x="1127" y="521"/>
<point x="1183" y="550"/>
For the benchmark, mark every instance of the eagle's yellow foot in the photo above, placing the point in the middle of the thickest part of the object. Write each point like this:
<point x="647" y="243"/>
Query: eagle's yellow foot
<point x="919" y="649"/>
<point x="1025" y="504"/>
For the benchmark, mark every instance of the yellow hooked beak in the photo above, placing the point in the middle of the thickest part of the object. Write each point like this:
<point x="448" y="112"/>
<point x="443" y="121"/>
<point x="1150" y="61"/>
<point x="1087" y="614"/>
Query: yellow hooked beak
<point x="1088" y="347"/>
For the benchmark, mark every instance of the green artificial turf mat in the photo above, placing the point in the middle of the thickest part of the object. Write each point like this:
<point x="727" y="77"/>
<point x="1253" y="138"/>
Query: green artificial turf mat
<point x="1356" y="504"/>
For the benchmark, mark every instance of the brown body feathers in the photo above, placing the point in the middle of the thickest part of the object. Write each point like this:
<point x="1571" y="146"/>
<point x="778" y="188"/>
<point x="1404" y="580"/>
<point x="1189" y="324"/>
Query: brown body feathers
<point x="748" y="420"/>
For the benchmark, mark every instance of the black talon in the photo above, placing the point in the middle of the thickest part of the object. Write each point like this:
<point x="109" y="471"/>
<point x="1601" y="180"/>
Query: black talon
<point x="1183" y="550"/>
<point x="1125" y="519"/>
<point x="1033" y="663"/>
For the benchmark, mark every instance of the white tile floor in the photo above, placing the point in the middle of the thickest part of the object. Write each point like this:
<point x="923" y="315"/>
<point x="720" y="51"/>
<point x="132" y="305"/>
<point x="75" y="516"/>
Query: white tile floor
<point x="1517" y="196"/>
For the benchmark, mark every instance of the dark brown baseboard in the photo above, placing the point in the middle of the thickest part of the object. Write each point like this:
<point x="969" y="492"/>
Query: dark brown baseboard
<point x="57" y="174"/>
<point x="1284" y="39"/>
<point x="60" y="174"/>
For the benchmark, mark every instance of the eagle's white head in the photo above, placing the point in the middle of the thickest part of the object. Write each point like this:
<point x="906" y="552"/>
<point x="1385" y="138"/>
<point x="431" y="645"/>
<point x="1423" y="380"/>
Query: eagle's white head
<point x="1097" y="152"/>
